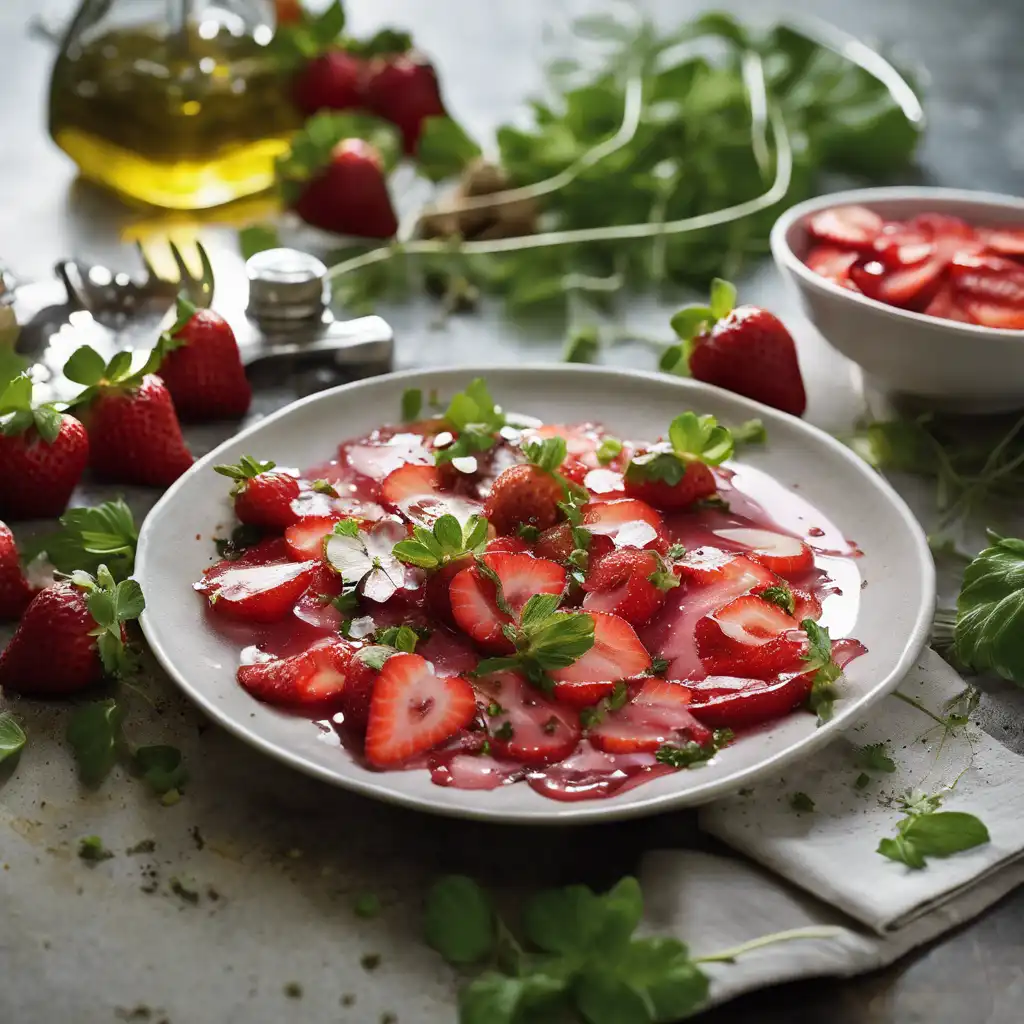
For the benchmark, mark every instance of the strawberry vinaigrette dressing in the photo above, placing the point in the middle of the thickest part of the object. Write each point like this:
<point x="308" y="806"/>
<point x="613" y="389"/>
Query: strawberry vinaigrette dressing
<point x="601" y="759"/>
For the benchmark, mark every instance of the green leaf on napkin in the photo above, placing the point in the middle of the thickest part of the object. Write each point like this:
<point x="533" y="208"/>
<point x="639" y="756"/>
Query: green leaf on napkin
<point x="928" y="832"/>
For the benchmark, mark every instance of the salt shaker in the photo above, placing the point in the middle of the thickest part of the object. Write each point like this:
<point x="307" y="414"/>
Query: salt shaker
<point x="289" y="326"/>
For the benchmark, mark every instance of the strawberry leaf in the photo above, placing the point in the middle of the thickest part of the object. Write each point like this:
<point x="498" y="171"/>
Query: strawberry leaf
<point x="663" y="577"/>
<point x="17" y="395"/>
<point x="548" y="454"/>
<point x="779" y="594"/>
<point x="185" y="309"/>
<point x="444" y="149"/>
<point x="689" y="322"/>
<point x="88" y="538"/>
<point x="161" y="767"/>
<point x="608" y="450"/>
<point x="311" y="148"/>
<point x="11" y="363"/>
<point x="245" y="469"/>
<point x="749" y="432"/>
<point x="111" y="605"/>
<point x="723" y="298"/>
<point x="701" y="437"/>
<point x="412" y="404"/>
<point x="448" y="541"/>
<point x="383" y="42"/>
<point x="347" y="528"/>
<point x="12" y="736"/>
<point x="582" y="345"/>
<point x="94" y="733"/>
<point x="85" y="366"/>
<point x="473" y="415"/>
<point x="401" y="638"/>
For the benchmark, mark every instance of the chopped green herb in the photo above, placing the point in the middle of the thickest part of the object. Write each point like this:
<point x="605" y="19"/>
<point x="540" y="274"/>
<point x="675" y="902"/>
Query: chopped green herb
<point x="366" y="904"/>
<point x="504" y="731"/>
<point x="94" y="732"/>
<point x="862" y="781"/>
<point x="801" y="803"/>
<point x="582" y="345"/>
<point x="370" y="961"/>
<point x="819" y="660"/>
<point x="186" y="892"/>
<point x="162" y="767"/>
<point x="91" y="849"/>
<point x="750" y="432"/>
<point x="325" y="487"/>
<point x="929" y="832"/>
<point x="401" y="638"/>
<point x="659" y="666"/>
<point x="412" y="404"/>
<point x="608" y="450"/>
<point x="473" y="415"/>
<point x="780" y="594"/>
<point x="675" y="551"/>
<point x="875" y="758"/>
<point x="293" y="990"/>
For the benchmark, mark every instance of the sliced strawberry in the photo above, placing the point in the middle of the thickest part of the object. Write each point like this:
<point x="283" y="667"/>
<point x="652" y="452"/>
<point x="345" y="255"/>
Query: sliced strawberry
<point x="706" y="565"/>
<point x="851" y="227"/>
<point x="417" y="492"/>
<point x="408" y="483"/>
<point x="900" y="245"/>
<point x="524" y="724"/>
<point x="805" y="606"/>
<point x="946" y="305"/>
<point x="787" y="556"/>
<point x="621" y="583"/>
<point x="438" y="597"/>
<point x="412" y="710"/>
<point x="305" y="539"/>
<point x="942" y="226"/>
<point x="725" y="702"/>
<point x="658" y="714"/>
<point x="508" y="546"/>
<point x="357" y="694"/>
<point x="832" y="263"/>
<point x="1007" y="241"/>
<point x="627" y="523"/>
<point x="257" y="593"/>
<point x="583" y="695"/>
<point x="749" y="637"/>
<point x="903" y="286"/>
<point x="474" y="600"/>
<point x="990" y="314"/>
<point x="699" y="482"/>
<point x="313" y="677"/>
<point x="617" y="654"/>
<point x="990" y="289"/>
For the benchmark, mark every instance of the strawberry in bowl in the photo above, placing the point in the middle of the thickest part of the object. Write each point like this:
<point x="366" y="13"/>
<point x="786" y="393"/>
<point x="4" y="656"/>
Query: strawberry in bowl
<point x="463" y="597"/>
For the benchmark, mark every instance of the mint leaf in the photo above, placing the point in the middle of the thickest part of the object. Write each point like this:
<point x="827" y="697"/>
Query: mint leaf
<point x="582" y="345"/>
<point x="401" y="638"/>
<point x="989" y="631"/>
<point x="943" y="833"/>
<point x="459" y="920"/>
<point x="257" y="238"/>
<point x="780" y="594"/>
<point x="826" y="672"/>
<point x="608" y="450"/>
<point x="161" y="767"/>
<point x="661" y="968"/>
<point x="346" y="528"/>
<point x="723" y="298"/>
<point x="749" y="432"/>
<point x="412" y="404"/>
<point x="475" y="418"/>
<point x="801" y="803"/>
<point x="94" y="732"/>
<point x="548" y="454"/>
<point x="496" y="998"/>
<point x="875" y="758"/>
<point x="444" y="149"/>
<point x="903" y="850"/>
<point x="701" y="437"/>
<point x="447" y="541"/>
<point x="12" y="736"/>
<point x="603" y="998"/>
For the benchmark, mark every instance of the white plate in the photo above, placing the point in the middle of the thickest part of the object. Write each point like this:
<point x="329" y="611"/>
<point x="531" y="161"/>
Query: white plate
<point x="893" y="617"/>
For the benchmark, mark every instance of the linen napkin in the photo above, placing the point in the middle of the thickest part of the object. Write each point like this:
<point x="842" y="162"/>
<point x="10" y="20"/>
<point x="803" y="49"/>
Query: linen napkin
<point x="819" y="870"/>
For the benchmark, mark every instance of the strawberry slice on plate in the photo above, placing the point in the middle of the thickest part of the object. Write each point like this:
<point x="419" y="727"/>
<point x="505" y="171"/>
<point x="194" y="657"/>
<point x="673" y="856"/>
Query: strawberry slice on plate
<point x="706" y="565"/>
<point x="1007" y="241"/>
<point x="658" y="714"/>
<point x="729" y="702"/>
<point x="617" y="654"/>
<point x="784" y="555"/>
<point x="312" y="677"/>
<point x="417" y="493"/>
<point x="626" y="522"/>
<point x="629" y="583"/>
<point x="947" y="305"/>
<point x="749" y="637"/>
<point x="305" y="539"/>
<point x="524" y="724"/>
<point x="849" y="227"/>
<point x="905" y="286"/>
<point x="256" y="593"/>
<point x="476" y="603"/>
<point x="990" y="289"/>
<point x="413" y="710"/>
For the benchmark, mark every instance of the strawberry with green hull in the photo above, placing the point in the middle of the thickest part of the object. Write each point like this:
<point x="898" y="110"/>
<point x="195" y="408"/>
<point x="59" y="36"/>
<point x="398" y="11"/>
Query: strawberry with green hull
<point x="15" y="592"/>
<point x="335" y="175"/>
<point x="529" y="495"/>
<point x="262" y="496"/>
<point x="43" y="453"/>
<point x="202" y="368"/>
<point x="403" y="89"/>
<point x="744" y="349"/>
<point x="134" y="433"/>
<point x="674" y="473"/>
<point x="71" y="636"/>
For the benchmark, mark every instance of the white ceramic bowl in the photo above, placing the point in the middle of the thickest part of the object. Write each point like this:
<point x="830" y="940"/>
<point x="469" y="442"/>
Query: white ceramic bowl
<point x="954" y="365"/>
<point x="892" y="617"/>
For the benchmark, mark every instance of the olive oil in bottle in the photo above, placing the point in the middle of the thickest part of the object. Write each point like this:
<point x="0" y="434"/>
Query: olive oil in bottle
<point x="172" y="102"/>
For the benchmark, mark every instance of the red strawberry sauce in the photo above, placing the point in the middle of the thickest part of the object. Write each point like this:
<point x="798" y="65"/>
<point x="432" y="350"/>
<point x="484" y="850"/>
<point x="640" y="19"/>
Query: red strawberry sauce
<point x="752" y="500"/>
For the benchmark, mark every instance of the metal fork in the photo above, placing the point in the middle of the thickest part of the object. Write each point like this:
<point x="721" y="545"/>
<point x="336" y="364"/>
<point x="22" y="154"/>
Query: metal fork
<point x="115" y="298"/>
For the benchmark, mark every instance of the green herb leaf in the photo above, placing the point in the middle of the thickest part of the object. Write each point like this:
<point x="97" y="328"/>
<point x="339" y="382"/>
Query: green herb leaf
<point x="448" y="541"/>
<point x="826" y="672"/>
<point x="94" y="732"/>
<point x="257" y="238"/>
<point x="12" y="736"/>
<point x="496" y="998"/>
<point x="89" y="537"/>
<point x="459" y="920"/>
<point x="412" y="404"/>
<point x="875" y="758"/>
<point x="608" y="450"/>
<point x="401" y="638"/>
<point x="161" y="767"/>
<point x="781" y="595"/>
<point x="473" y="415"/>
<point x="929" y="832"/>
<point x="91" y="848"/>
<point x="548" y="454"/>
<point x="989" y="632"/>
<point x="347" y="528"/>
<point x="801" y="803"/>
<point x="444" y="149"/>
<point x="603" y="998"/>
<point x="582" y="345"/>
<point x="85" y="366"/>
<point x="701" y="437"/>
<point x="749" y="432"/>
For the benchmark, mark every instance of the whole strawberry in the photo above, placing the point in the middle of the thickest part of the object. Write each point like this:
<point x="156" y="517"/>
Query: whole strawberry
<point x="71" y="635"/>
<point x="403" y="88"/>
<point x="202" y="368"/>
<point x="15" y="593"/>
<point x="331" y="81"/>
<point x="134" y="434"/>
<point x="262" y="497"/>
<point x="43" y="453"/>
<point x="334" y="176"/>
<point x="744" y="349"/>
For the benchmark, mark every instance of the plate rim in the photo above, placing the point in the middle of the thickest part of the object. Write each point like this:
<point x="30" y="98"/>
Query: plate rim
<point x="573" y="812"/>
